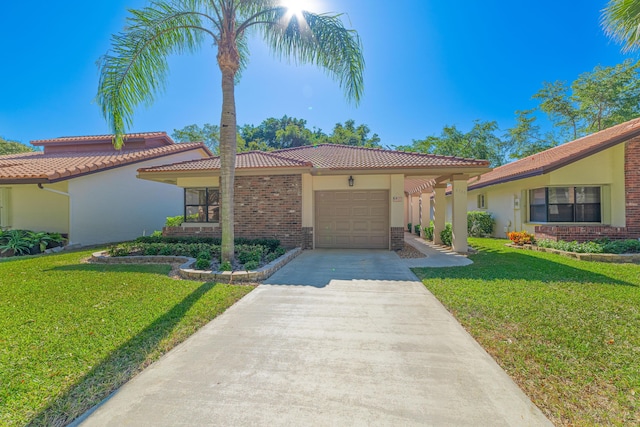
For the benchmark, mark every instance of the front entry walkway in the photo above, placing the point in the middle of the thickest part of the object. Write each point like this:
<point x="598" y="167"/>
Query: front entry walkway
<point x="372" y="350"/>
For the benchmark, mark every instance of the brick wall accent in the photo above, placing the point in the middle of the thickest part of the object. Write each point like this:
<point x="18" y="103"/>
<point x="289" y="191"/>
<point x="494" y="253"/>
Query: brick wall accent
<point x="307" y="237"/>
<point x="265" y="207"/>
<point x="632" y="186"/>
<point x="397" y="238"/>
<point x="580" y="233"/>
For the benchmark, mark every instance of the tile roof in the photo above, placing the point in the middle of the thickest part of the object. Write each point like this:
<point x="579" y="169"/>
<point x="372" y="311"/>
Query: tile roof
<point x="336" y="157"/>
<point x="40" y="167"/>
<point x="327" y="156"/>
<point x="246" y="160"/>
<point x="91" y="138"/>
<point x="562" y="155"/>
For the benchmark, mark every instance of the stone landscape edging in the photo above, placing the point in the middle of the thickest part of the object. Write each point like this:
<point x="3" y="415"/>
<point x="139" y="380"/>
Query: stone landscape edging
<point x="186" y="272"/>
<point x="612" y="258"/>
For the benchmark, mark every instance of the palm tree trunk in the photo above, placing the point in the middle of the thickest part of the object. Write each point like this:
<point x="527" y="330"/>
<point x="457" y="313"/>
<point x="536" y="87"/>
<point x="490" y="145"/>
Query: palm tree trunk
<point x="227" y="161"/>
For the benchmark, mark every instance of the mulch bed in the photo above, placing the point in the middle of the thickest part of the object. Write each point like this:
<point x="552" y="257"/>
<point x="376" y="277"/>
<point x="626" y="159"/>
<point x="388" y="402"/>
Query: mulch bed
<point x="409" y="251"/>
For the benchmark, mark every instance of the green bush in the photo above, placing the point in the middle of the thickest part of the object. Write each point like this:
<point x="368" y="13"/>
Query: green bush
<point x="409" y="227"/>
<point x="480" y="223"/>
<point x="123" y="249"/>
<point x="416" y="229"/>
<point x="622" y="246"/>
<point x="428" y="232"/>
<point x="226" y="266"/>
<point x="247" y="253"/>
<point x="203" y="264"/>
<point x="174" y="221"/>
<point x="251" y="265"/>
<point x="594" y="247"/>
<point x="446" y="235"/>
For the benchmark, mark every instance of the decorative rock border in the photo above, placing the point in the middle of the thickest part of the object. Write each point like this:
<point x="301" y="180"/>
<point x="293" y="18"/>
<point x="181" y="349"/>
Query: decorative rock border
<point x="186" y="272"/>
<point x="612" y="258"/>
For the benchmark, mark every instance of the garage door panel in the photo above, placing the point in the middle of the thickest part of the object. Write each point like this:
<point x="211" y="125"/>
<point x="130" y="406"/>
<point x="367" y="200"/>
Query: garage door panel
<point x="361" y="211"/>
<point x="378" y="211"/>
<point x="342" y="211"/>
<point x="341" y="196"/>
<point x="378" y="227"/>
<point x="381" y="196"/>
<point x="352" y="219"/>
<point x="360" y="196"/>
<point x="360" y="226"/>
<point x="343" y="226"/>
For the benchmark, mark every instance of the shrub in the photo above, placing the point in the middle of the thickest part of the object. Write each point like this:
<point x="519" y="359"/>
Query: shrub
<point x="521" y="238"/>
<point x="409" y="227"/>
<point x="174" y="221"/>
<point x="446" y="235"/>
<point x="479" y="223"/>
<point x="226" y="266"/>
<point x="416" y="229"/>
<point x="251" y="265"/>
<point x="428" y="232"/>
<point x="622" y="246"/>
<point x="248" y="253"/>
<point x="122" y="249"/>
<point x="594" y="247"/>
<point x="203" y="264"/>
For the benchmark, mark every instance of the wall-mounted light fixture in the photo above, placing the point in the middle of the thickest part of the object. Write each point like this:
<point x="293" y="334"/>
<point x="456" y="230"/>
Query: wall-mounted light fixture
<point x="351" y="181"/>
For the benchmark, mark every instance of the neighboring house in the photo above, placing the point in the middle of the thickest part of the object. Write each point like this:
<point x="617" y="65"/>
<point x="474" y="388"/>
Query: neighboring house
<point x="582" y="190"/>
<point x="325" y="196"/>
<point x="85" y="189"/>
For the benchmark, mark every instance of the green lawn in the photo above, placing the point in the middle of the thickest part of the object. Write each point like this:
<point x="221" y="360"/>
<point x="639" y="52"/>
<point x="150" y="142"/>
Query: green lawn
<point x="71" y="332"/>
<point x="567" y="331"/>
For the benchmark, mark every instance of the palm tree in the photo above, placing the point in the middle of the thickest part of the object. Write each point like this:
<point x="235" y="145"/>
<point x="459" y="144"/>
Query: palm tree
<point x="136" y="68"/>
<point x="621" y="22"/>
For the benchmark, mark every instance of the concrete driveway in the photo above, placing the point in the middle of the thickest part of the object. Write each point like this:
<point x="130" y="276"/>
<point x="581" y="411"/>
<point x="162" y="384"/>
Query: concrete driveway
<point x="378" y="350"/>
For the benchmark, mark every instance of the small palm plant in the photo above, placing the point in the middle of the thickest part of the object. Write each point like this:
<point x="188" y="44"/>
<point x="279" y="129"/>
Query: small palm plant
<point x="15" y="240"/>
<point x="43" y="239"/>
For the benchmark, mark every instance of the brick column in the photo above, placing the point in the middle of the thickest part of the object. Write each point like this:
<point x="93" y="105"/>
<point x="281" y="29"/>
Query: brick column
<point x="632" y="186"/>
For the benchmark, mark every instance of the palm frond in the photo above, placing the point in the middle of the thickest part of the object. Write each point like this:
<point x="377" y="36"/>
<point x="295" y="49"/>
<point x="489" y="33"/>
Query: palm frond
<point x="621" y="22"/>
<point x="136" y="68"/>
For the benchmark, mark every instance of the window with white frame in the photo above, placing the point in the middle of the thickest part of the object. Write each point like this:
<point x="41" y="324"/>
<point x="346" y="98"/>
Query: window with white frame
<point x="482" y="201"/>
<point x="202" y="205"/>
<point x="565" y="204"/>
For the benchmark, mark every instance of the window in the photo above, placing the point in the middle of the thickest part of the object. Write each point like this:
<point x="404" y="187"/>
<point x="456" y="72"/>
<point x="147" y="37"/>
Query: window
<point x="482" y="201"/>
<point x="201" y="205"/>
<point x="565" y="204"/>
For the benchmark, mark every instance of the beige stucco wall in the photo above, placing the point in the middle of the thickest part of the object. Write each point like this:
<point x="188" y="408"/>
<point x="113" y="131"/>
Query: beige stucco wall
<point x="38" y="210"/>
<point x="114" y="205"/>
<point x="206" y="181"/>
<point x="393" y="183"/>
<point x="604" y="169"/>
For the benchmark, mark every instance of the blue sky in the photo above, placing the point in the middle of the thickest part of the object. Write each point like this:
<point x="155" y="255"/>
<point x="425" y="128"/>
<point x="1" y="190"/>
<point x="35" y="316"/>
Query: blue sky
<point x="429" y="63"/>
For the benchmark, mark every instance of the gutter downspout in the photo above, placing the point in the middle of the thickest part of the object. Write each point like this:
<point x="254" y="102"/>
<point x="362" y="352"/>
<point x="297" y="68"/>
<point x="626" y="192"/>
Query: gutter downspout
<point x="62" y="193"/>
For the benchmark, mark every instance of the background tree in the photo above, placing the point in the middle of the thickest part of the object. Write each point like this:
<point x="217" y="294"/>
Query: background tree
<point x="524" y="139"/>
<point x="555" y="100"/>
<point x="598" y="99"/>
<point x="621" y="22"/>
<point x="13" y="147"/>
<point x="356" y="136"/>
<point x="481" y="142"/>
<point x="136" y="68"/>
<point x="209" y="134"/>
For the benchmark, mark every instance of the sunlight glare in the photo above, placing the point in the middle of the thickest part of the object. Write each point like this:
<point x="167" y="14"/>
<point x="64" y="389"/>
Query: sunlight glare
<point x="296" y="6"/>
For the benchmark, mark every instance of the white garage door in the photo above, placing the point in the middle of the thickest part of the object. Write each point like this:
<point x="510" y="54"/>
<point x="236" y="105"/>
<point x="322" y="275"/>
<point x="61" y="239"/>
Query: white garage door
<point x="352" y="219"/>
